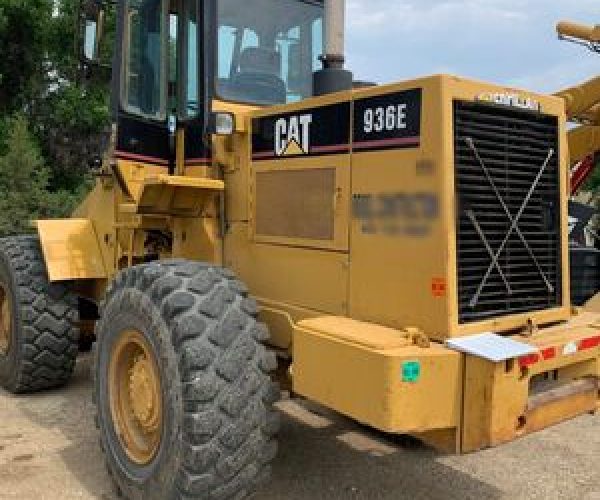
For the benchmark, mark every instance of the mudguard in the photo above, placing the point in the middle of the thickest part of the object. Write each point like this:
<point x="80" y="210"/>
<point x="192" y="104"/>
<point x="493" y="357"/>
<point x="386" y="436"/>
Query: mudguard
<point x="71" y="249"/>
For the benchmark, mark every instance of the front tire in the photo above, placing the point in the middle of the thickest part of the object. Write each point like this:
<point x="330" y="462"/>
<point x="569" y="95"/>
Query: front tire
<point x="38" y="320"/>
<point x="194" y="417"/>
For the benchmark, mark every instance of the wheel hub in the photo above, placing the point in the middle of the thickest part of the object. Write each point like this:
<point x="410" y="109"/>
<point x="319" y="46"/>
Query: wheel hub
<point x="143" y="394"/>
<point x="5" y="319"/>
<point x="135" y="396"/>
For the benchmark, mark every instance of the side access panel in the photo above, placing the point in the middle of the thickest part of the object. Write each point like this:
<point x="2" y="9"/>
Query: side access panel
<point x="71" y="249"/>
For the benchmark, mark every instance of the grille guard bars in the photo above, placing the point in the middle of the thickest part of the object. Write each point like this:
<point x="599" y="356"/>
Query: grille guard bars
<point x="473" y="219"/>
<point x="514" y="226"/>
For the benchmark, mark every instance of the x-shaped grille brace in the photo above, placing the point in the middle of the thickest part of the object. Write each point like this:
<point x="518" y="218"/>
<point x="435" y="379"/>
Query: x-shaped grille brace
<point x="514" y="226"/>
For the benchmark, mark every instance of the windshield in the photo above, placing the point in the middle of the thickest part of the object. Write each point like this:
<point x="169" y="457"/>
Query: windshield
<point x="268" y="49"/>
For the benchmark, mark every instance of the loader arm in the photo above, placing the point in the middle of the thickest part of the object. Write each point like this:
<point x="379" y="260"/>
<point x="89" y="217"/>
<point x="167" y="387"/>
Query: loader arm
<point x="584" y="141"/>
<point x="582" y="105"/>
<point x="582" y="34"/>
<point x="581" y="102"/>
<point x="581" y="99"/>
<point x="591" y="116"/>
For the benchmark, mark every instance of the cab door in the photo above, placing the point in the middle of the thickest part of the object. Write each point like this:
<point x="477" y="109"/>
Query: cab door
<point x="192" y="64"/>
<point x="161" y="99"/>
<point x="143" y="117"/>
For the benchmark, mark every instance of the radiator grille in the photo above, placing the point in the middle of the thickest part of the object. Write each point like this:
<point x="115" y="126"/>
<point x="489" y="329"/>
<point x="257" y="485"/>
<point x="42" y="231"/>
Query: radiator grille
<point x="513" y="146"/>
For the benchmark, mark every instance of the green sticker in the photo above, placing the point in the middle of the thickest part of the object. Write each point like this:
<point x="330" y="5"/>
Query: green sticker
<point x="411" y="371"/>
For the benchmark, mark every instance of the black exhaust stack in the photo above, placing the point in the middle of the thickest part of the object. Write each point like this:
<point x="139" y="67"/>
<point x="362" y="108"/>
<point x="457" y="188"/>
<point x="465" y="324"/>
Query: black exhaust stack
<point x="333" y="77"/>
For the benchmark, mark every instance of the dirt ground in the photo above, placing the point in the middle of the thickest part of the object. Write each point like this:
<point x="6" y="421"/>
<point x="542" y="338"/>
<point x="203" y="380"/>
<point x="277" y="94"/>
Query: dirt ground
<point x="49" y="450"/>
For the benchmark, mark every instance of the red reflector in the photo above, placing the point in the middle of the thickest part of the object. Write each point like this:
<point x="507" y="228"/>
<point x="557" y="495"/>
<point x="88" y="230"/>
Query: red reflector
<point x="549" y="353"/>
<point x="589" y="343"/>
<point x="528" y="360"/>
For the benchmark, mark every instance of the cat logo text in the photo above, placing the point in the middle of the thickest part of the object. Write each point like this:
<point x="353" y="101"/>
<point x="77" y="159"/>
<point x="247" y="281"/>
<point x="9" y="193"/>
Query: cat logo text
<point x="292" y="135"/>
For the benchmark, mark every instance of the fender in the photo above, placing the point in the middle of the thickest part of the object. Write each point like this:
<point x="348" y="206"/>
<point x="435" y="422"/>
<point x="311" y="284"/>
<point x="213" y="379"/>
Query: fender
<point x="71" y="249"/>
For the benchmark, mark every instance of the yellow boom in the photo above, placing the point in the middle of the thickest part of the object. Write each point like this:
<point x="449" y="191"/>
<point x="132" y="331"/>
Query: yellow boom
<point x="583" y="141"/>
<point x="582" y="102"/>
<point x="567" y="29"/>
<point x="580" y="99"/>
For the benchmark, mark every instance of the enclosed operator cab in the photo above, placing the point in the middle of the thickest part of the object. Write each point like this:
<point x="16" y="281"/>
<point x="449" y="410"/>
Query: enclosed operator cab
<point x="180" y="60"/>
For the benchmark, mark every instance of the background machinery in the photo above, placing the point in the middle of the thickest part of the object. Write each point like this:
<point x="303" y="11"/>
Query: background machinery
<point x="583" y="110"/>
<point x="407" y="246"/>
<point x="582" y="107"/>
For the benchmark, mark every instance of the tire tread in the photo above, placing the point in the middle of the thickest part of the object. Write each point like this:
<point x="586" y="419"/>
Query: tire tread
<point x="229" y="423"/>
<point x="48" y="314"/>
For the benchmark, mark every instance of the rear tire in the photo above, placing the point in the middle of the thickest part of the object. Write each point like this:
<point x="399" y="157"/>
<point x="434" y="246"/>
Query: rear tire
<point x="39" y="319"/>
<point x="214" y="397"/>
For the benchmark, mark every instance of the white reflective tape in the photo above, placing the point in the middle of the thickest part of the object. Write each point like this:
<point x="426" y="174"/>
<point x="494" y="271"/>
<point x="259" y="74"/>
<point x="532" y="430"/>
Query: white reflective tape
<point x="570" y="348"/>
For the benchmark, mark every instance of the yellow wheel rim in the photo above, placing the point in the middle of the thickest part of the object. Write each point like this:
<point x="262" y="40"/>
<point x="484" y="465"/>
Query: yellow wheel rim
<point x="135" y="397"/>
<point x="5" y="319"/>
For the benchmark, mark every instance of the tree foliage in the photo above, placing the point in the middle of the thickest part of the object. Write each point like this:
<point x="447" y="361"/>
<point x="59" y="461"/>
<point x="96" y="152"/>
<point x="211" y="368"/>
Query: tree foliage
<point x="593" y="183"/>
<point x="71" y="119"/>
<point x="51" y="112"/>
<point x="24" y="29"/>
<point x="24" y="180"/>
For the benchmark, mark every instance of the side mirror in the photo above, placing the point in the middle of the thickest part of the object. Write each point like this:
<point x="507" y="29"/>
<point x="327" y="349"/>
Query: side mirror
<point x="92" y="27"/>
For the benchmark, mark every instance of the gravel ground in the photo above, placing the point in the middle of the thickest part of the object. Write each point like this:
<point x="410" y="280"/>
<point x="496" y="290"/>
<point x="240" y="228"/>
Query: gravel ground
<point x="49" y="450"/>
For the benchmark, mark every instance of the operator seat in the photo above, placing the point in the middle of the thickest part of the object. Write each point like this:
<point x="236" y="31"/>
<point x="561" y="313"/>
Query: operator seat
<point x="259" y="77"/>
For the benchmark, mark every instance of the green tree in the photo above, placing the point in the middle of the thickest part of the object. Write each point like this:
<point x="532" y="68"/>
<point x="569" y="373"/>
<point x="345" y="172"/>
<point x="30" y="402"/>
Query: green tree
<point x="42" y="77"/>
<point x="24" y="181"/>
<point x="71" y="119"/>
<point x="72" y="124"/>
<point x="61" y="110"/>
<point x="593" y="183"/>
<point x="24" y="29"/>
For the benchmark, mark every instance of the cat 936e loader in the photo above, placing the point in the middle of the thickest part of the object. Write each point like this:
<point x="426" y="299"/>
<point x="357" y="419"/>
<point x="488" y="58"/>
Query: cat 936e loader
<point x="406" y="246"/>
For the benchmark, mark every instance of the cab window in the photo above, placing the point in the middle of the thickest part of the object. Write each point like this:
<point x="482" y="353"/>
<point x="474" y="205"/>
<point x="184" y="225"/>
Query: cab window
<point x="160" y="73"/>
<point x="190" y="69"/>
<point x="267" y="51"/>
<point x="144" y="61"/>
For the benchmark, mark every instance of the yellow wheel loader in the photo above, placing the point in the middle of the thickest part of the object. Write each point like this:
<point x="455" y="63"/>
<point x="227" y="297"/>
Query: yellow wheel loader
<point x="406" y="246"/>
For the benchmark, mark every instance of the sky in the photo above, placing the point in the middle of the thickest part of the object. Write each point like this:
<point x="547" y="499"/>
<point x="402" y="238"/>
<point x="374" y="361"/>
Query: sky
<point x="510" y="42"/>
